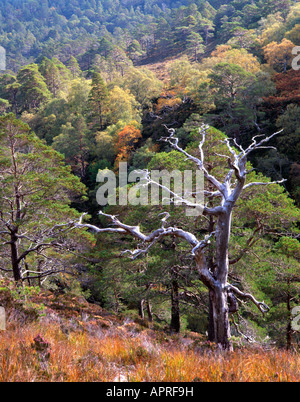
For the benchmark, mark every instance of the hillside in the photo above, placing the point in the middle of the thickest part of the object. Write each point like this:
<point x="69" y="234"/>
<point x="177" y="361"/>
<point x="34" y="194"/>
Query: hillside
<point x="143" y="30"/>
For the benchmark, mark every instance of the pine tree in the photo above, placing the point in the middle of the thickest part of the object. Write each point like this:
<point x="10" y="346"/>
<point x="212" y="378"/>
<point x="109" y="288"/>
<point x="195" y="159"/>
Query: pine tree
<point x="73" y="142"/>
<point x="74" y="67"/>
<point x="33" y="91"/>
<point x="98" y="99"/>
<point x="36" y="192"/>
<point x="51" y="74"/>
<point x="195" y="44"/>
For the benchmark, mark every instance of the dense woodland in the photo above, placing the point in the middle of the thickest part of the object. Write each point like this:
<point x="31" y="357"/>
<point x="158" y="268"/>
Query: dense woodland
<point x="94" y="83"/>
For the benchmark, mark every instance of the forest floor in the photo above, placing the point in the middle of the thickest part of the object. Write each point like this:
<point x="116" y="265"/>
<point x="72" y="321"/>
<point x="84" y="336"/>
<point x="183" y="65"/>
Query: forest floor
<point x="63" y="338"/>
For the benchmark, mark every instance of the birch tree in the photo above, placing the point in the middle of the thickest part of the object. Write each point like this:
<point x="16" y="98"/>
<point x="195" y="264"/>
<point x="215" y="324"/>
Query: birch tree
<point x="222" y="198"/>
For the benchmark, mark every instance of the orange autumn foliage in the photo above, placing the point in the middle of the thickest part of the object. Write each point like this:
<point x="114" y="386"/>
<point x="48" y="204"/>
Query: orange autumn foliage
<point x="126" y="140"/>
<point x="279" y="55"/>
<point x="167" y="103"/>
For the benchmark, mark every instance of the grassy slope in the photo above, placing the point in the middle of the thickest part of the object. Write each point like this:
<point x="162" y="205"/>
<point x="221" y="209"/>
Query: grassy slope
<point x="82" y="342"/>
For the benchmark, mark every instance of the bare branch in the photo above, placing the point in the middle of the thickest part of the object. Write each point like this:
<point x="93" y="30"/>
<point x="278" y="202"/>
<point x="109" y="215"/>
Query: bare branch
<point x="177" y="199"/>
<point x="203" y="243"/>
<point x="263" y="184"/>
<point x="199" y="162"/>
<point x="39" y="275"/>
<point x="4" y="232"/>
<point x="231" y="150"/>
<point x="79" y="224"/>
<point x="136" y="253"/>
<point x="239" y="161"/>
<point x="6" y="270"/>
<point x="262" y="306"/>
<point x="254" y="145"/>
<point x="135" y="230"/>
<point x="36" y="248"/>
<point x="152" y="238"/>
<point x="164" y="220"/>
<point x="238" y="146"/>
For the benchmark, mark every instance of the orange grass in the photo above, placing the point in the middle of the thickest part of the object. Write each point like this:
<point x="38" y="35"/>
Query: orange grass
<point x="110" y="354"/>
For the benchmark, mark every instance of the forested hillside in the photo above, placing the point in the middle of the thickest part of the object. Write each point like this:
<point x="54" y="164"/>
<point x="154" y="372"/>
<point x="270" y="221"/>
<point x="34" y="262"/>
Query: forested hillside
<point x="136" y="29"/>
<point x="90" y="84"/>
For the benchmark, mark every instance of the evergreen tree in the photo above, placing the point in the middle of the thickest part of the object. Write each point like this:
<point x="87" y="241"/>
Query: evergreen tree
<point x="195" y="44"/>
<point x="36" y="193"/>
<point x="97" y="103"/>
<point x="33" y="91"/>
<point x="74" y="67"/>
<point x="9" y="88"/>
<point x="51" y="74"/>
<point x="74" y="143"/>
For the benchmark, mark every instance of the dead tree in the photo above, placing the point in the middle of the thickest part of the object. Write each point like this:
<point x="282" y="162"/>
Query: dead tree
<point x="227" y="192"/>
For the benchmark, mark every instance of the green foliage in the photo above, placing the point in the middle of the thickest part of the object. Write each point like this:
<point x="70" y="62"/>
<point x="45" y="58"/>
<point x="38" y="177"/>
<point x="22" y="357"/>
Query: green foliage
<point x="97" y="102"/>
<point x="236" y="94"/>
<point x="170" y="161"/>
<point x="123" y="106"/>
<point x="289" y="247"/>
<point x="22" y="298"/>
<point x="143" y="84"/>
<point x="33" y="91"/>
<point x="289" y="142"/>
<point x="37" y="190"/>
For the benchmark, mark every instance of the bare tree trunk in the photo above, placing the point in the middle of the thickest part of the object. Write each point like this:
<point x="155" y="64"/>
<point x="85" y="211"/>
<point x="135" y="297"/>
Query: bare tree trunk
<point x="39" y="270"/>
<point x="211" y="330"/>
<point x="219" y="327"/>
<point x="14" y="258"/>
<point x="220" y="318"/>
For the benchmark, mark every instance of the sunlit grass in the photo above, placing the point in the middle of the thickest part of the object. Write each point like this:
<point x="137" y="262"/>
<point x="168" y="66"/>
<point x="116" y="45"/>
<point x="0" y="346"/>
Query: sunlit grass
<point x="80" y="356"/>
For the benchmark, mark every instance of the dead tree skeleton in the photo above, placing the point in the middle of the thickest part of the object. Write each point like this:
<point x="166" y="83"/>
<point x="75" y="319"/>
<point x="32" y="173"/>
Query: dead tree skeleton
<point x="228" y="192"/>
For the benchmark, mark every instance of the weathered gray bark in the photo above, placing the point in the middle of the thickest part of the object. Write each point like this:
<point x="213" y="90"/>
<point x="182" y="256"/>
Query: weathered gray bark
<point x="220" y="315"/>
<point x="220" y="329"/>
